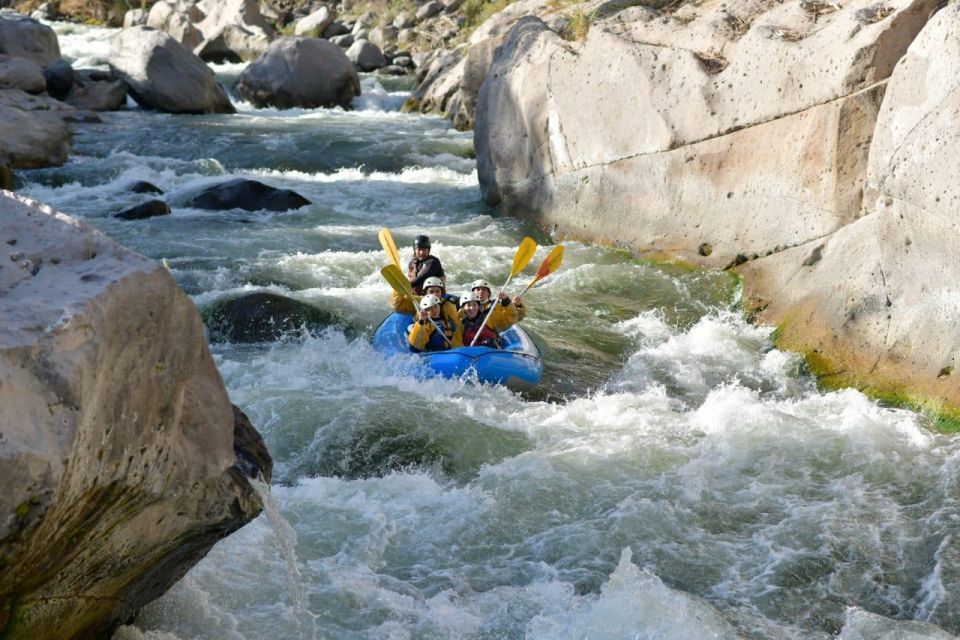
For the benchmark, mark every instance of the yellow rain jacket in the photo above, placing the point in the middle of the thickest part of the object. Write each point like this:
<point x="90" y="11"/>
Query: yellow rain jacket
<point x="503" y="317"/>
<point x="423" y="334"/>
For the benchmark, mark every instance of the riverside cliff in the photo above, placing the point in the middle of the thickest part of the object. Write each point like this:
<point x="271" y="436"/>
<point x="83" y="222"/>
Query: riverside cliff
<point x="805" y="144"/>
<point x="122" y="459"/>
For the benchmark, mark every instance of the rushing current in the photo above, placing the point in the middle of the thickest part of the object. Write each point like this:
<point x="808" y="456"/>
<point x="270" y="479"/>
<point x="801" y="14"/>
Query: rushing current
<point x="674" y="476"/>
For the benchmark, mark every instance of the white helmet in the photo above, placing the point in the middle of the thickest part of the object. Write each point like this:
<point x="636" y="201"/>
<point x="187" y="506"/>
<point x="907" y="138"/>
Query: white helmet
<point x="432" y="281"/>
<point x="477" y="284"/>
<point x="469" y="297"/>
<point x="428" y="301"/>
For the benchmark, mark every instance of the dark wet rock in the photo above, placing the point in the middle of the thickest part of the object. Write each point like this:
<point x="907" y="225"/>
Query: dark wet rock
<point x="263" y="317"/>
<point x="59" y="78"/>
<point x="149" y="209"/>
<point x="336" y="28"/>
<point x="98" y="95"/>
<point x="142" y="186"/>
<point x="300" y="72"/>
<point x="6" y="171"/>
<point x="253" y="458"/>
<point x="392" y="70"/>
<point x="249" y="195"/>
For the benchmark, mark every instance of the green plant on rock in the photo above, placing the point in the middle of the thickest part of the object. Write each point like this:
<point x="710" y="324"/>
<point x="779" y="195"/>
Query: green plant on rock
<point x="477" y="11"/>
<point x="579" y="23"/>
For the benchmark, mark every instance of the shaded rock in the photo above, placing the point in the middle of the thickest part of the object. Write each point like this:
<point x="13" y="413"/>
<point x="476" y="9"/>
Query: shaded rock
<point x="249" y="195"/>
<point x="451" y="5"/>
<point x="149" y="209"/>
<point x="119" y="478"/>
<point x="392" y="70"/>
<point x="142" y="186"/>
<point x="300" y="72"/>
<point x="252" y="456"/>
<point x="366" y="55"/>
<point x="336" y="28"/>
<point x="233" y="30"/>
<point x="406" y="36"/>
<point x="343" y="41"/>
<point x="59" y="78"/>
<point x="233" y="43"/>
<point x="46" y="11"/>
<point x="405" y="62"/>
<point x="24" y="37"/>
<point x="97" y="95"/>
<point x="134" y="18"/>
<point x="22" y="74"/>
<point x="162" y="74"/>
<point x="6" y="171"/>
<point x="316" y="23"/>
<point x="428" y="10"/>
<point x="33" y="130"/>
<point x="263" y="317"/>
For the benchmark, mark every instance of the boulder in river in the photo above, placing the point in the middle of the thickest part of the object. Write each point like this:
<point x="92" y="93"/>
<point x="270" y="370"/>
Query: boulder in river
<point x="142" y="186"/>
<point x="123" y="460"/>
<point x="250" y="195"/>
<point x="148" y="209"/>
<point x="22" y="74"/>
<point x="162" y="74"/>
<point x="300" y="72"/>
<point x="59" y="77"/>
<point x="97" y="94"/>
<point x="33" y="129"/>
<point x="25" y="37"/>
<point x="263" y="317"/>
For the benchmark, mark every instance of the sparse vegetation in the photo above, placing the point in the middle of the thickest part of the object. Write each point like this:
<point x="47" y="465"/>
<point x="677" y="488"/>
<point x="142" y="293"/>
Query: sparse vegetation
<point x="712" y="61"/>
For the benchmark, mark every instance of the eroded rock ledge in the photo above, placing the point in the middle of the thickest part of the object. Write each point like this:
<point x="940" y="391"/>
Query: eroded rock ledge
<point x="122" y="460"/>
<point x="805" y="143"/>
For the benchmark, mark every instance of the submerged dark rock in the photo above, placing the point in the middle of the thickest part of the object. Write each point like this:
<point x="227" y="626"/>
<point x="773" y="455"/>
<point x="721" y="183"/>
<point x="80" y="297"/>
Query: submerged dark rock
<point x="149" y="209"/>
<point x="249" y="195"/>
<point x="263" y="317"/>
<point x="142" y="186"/>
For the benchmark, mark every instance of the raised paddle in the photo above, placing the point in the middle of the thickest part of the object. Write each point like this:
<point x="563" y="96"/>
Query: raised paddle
<point x="520" y="260"/>
<point x="395" y="278"/>
<point x="550" y="264"/>
<point x="386" y="241"/>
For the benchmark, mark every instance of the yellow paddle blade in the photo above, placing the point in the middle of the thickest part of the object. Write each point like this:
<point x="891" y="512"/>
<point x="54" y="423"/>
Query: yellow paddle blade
<point x="523" y="256"/>
<point x="550" y="264"/>
<point x="386" y="241"/>
<point x="392" y="274"/>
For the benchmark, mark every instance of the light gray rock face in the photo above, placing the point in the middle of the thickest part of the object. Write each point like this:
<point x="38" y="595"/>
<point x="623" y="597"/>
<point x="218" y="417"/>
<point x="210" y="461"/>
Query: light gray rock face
<point x="879" y="299"/>
<point x="22" y="74"/>
<point x="162" y="74"/>
<point x="122" y="461"/>
<point x="428" y="10"/>
<point x="679" y="115"/>
<point x="383" y="37"/>
<point x="178" y="19"/>
<point x="24" y="37"/>
<point x="316" y="23"/>
<point x="134" y="18"/>
<point x="33" y="129"/>
<point x="232" y="30"/>
<point x="300" y="72"/>
<point x="97" y="95"/>
<point x="404" y="20"/>
<point x="366" y="55"/>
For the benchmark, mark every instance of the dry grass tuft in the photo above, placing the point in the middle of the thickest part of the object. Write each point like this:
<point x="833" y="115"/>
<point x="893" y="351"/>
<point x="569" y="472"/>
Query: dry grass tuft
<point x="789" y="35"/>
<point x="713" y="62"/>
<point x="874" y="13"/>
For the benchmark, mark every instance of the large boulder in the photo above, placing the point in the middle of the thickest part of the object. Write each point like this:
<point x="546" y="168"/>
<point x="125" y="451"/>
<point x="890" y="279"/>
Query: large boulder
<point x="263" y="317"/>
<point x="33" y="129"/>
<point x="366" y="56"/>
<point x="177" y="18"/>
<point x="22" y="74"/>
<point x="25" y="37"/>
<point x="123" y="460"/>
<point x="96" y="93"/>
<point x="874" y="304"/>
<point x="300" y="72"/>
<point x="249" y="195"/>
<point x="646" y="134"/>
<point x="233" y="30"/>
<point x="162" y="74"/>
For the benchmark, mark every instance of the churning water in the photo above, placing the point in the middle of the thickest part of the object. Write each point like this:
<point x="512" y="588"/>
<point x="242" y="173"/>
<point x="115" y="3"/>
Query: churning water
<point x="674" y="477"/>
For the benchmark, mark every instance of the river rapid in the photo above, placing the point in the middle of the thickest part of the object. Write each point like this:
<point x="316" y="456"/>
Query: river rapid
<point x="675" y="476"/>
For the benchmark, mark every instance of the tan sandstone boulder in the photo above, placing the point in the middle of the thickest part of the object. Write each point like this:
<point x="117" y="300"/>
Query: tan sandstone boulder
<point x="122" y="460"/>
<point x="876" y="303"/>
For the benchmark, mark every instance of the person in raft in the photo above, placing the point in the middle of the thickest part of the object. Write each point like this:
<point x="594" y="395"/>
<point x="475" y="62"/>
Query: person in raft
<point x="433" y="330"/>
<point x="431" y="286"/>
<point x="472" y="320"/>
<point x="508" y="312"/>
<point x="423" y="265"/>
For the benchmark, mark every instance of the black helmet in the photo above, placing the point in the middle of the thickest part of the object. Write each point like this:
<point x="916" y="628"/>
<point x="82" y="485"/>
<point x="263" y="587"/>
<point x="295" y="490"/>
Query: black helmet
<point x="421" y="242"/>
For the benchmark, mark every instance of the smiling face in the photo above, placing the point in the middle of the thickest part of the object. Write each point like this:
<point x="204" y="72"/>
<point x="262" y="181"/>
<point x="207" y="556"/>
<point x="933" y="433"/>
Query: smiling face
<point x="471" y="309"/>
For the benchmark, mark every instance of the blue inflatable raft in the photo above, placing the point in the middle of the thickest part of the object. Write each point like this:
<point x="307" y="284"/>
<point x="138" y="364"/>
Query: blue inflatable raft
<point x="517" y="365"/>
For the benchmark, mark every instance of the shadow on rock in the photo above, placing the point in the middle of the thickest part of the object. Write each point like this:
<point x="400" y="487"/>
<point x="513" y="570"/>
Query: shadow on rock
<point x="264" y="317"/>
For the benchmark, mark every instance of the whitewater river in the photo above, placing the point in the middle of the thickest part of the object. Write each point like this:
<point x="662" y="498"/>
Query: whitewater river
<point x="674" y="477"/>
